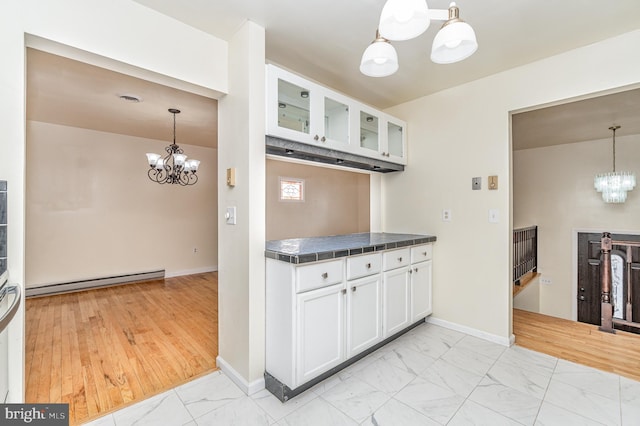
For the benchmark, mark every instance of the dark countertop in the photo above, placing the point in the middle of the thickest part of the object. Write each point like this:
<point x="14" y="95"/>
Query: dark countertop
<point x="313" y="249"/>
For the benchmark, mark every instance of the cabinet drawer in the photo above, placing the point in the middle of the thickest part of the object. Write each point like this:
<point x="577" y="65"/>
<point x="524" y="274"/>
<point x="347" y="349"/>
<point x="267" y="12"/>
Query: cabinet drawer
<point x="421" y="253"/>
<point x="396" y="258"/>
<point x="362" y="266"/>
<point x="319" y="275"/>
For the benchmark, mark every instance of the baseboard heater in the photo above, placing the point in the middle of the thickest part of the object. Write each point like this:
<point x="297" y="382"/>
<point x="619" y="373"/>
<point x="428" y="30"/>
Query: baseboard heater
<point x="51" y="289"/>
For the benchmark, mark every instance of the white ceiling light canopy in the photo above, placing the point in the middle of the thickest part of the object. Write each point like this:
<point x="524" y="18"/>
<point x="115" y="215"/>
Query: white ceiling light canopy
<point x="404" y="19"/>
<point x="379" y="59"/>
<point x="455" y="41"/>
<point x="407" y="19"/>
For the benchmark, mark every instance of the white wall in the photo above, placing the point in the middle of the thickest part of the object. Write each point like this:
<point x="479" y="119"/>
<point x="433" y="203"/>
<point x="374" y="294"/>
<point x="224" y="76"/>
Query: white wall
<point x="241" y="281"/>
<point x="92" y="211"/>
<point x="464" y="132"/>
<point x="110" y="29"/>
<point x="553" y="188"/>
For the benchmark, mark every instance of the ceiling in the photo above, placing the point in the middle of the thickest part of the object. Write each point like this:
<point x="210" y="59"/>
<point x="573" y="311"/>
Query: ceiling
<point x="584" y="120"/>
<point x="71" y="93"/>
<point x="324" y="40"/>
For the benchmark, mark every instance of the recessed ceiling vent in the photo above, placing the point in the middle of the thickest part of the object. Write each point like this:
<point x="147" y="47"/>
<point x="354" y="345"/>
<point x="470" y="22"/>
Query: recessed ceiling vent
<point x="130" y="98"/>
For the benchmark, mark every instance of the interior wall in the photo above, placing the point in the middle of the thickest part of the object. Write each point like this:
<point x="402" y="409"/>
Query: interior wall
<point x="92" y="211"/>
<point x="335" y="202"/>
<point x="87" y="25"/>
<point x="553" y="188"/>
<point x="241" y="279"/>
<point x="464" y="132"/>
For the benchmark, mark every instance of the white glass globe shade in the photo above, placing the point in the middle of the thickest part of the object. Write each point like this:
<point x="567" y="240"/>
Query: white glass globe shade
<point x="404" y="19"/>
<point x="454" y="42"/>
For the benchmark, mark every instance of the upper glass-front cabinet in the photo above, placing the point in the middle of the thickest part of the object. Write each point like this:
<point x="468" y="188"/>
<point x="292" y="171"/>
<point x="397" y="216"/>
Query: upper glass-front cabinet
<point x="293" y="107"/>
<point x="336" y="121"/>
<point x="395" y="140"/>
<point x="369" y="131"/>
<point x="303" y="111"/>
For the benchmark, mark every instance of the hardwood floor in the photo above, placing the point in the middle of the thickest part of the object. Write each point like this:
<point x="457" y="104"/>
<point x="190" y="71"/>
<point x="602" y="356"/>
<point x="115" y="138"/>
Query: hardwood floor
<point x="579" y="342"/>
<point x="102" y="349"/>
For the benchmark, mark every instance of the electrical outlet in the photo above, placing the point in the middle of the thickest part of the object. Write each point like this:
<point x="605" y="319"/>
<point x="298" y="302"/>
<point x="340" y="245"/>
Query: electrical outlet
<point x="446" y="215"/>
<point x="195" y="250"/>
<point x="494" y="216"/>
<point x="545" y="280"/>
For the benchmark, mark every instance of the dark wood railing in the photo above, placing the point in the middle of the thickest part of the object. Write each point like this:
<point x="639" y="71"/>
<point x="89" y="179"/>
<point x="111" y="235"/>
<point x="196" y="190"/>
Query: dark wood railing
<point x="525" y="252"/>
<point x="606" y="317"/>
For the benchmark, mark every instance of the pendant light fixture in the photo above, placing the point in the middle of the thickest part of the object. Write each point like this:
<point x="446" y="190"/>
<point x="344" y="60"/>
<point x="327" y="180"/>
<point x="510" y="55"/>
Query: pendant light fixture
<point x="455" y="41"/>
<point x="614" y="185"/>
<point x="379" y="59"/>
<point x="174" y="168"/>
<point x="407" y="19"/>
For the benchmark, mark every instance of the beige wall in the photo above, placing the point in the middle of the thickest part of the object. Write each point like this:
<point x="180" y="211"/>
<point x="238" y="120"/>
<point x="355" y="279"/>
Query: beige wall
<point x="92" y="211"/>
<point x="241" y="281"/>
<point x="336" y="202"/>
<point x="464" y="132"/>
<point x="553" y="188"/>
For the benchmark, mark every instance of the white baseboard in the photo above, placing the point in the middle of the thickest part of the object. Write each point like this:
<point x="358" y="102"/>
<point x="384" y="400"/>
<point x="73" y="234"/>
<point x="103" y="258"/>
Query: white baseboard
<point x="171" y="274"/>
<point x="248" y="388"/>
<point x="472" y="331"/>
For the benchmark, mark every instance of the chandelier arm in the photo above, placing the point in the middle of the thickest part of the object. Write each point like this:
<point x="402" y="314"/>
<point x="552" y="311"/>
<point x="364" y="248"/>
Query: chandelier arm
<point x="614" y="150"/>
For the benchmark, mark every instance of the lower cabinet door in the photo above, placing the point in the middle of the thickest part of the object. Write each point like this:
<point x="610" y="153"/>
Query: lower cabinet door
<point x="420" y="290"/>
<point x="395" y="301"/>
<point x="320" y="331"/>
<point x="364" y="314"/>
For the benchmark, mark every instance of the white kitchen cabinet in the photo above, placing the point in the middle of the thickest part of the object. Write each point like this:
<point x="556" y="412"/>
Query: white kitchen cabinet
<point x="321" y="314"/>
<point x="303" y="111"/>
<point x="421" y="282"/>
<point x="320" y="335"/>
<point x="395" y="300"/>
<point x="364" y="314"/>
<point x="382" y="136"/>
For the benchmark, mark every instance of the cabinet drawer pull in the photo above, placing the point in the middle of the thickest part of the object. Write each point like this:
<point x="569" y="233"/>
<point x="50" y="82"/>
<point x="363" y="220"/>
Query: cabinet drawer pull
<point x="353" y="289"/>
<point x="424" y="253"/>
<point x="325" y="275"/>
<point x="316" y="137"/>
<point x="323" y="139"/>
<point x="368" y="265"/>
<point x="400" y="259"/>
<point x="415" y="270"/>
<point x="411" y="271"/>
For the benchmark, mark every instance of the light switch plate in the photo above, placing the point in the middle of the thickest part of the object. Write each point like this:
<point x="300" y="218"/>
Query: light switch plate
<point x="492" y="182"/>
<point x="230" y="215"/>
<point x="476" y="183"/>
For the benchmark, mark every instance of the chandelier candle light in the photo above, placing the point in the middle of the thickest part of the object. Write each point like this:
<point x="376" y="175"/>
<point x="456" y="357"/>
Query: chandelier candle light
<point x="174" y="168"/>
<point x="614" y="185"/>
<point x="407" y="19"/>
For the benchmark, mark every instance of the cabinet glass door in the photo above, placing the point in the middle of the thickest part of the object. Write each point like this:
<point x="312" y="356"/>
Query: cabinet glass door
<point x="293" y="106"/>
<point x="369" y="131"/>
<point x="394" y="139"/>
<point x="336" y="121"/>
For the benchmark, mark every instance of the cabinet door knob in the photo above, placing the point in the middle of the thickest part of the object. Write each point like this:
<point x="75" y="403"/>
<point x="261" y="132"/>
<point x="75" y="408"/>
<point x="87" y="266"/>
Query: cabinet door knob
<point x="384" y="154"/>
<point x="344" y="291"/>
<point x="411" y="271"/>
<point x="316" y="137"/>
<point x="368" y="265"/>
<point x="353" y="289"/>
<point x="400" y="259"/>
<point x="323" y="139"/>
<point x="325" y="275"/>
<point x="424" y="253"/>
<point x="415" y="270"/>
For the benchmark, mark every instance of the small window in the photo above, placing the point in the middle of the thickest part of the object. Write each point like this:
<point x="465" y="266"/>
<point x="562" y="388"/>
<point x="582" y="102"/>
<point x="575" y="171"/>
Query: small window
<point x="291" y="189"/>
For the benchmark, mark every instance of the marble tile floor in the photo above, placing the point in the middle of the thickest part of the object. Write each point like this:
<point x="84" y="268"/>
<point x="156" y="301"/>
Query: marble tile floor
<point x="429" y="376"/>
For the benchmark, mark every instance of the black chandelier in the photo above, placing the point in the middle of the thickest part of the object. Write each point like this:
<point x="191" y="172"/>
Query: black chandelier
<point x="174" y="168"/>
